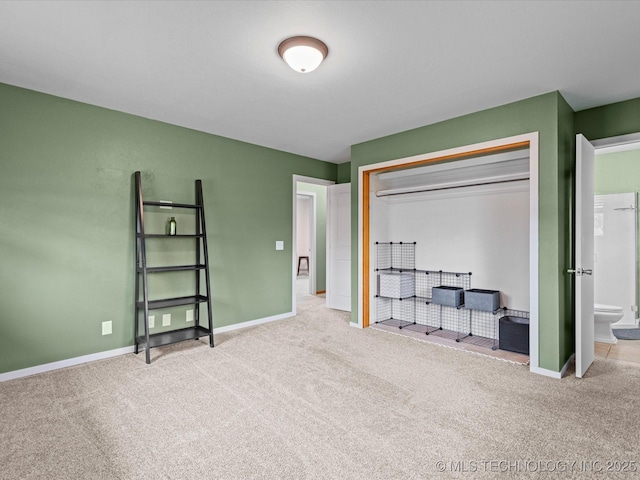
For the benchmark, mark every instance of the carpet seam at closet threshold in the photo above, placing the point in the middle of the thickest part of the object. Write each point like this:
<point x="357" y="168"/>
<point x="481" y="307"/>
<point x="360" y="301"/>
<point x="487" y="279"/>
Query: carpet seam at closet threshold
<point x="513" y="362"/>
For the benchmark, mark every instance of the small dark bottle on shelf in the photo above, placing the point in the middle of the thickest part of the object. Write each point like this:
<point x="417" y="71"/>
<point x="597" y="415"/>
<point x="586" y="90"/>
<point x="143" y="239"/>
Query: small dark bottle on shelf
<point x="172" y="229"/>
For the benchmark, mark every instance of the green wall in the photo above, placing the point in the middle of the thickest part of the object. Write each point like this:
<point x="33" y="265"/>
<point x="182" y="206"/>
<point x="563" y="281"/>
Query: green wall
<point x="66" y="210"/>
<point x="610" y="120"/>
<point x="321" y="231"/>
<point x="551" y="117"/>
<point x="344" y="172"/>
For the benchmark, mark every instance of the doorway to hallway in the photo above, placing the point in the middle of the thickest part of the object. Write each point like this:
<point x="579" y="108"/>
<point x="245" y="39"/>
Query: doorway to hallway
<point x="306" y="209"/>
<point x="309" y="238"/>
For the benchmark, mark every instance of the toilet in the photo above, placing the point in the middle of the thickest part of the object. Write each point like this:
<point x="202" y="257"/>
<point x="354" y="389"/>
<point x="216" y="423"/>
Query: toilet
<point x="604" y="316"/>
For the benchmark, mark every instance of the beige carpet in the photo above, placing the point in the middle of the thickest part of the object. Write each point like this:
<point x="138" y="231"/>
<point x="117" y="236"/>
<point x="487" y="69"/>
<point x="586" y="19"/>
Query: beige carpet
<point x="311" y="397"/>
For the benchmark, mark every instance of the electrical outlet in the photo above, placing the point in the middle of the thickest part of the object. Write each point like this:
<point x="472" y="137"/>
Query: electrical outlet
<point x="280" y="245"/>
<point x="107" y="328"/>
<point x="190" y="315"/>
<point x="152" y="321"/>
<point x="166" y="319"/>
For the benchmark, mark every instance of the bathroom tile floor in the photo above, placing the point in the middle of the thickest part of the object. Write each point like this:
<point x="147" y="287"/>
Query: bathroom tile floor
<point x="625" y="350"/>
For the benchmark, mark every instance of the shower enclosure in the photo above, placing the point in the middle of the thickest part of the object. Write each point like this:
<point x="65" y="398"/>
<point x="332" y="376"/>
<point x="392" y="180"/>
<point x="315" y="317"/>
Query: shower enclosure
<point x="615" y="254"/>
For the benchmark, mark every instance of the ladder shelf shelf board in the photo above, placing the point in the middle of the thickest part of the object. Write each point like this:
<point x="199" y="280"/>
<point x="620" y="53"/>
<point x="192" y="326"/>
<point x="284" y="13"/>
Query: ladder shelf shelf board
<point x="179" y="235"/>
<point x="170" y="204"/>
<point x="173" y="336"/>
<point x="202" y="292"/>
<point x="173" y="302"/>
<point x="173" y="268"/>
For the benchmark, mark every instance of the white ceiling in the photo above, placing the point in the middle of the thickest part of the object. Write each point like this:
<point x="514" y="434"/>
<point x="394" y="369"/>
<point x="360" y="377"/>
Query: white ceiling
<point x="392" y="66"/>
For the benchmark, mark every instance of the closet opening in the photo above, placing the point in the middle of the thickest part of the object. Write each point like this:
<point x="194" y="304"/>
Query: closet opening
<point x="439" y="226"/>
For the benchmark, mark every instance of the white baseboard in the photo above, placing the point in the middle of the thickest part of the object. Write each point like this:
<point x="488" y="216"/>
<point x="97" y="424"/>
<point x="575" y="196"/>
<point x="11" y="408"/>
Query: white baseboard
<point x="572" y="358"/>
<point x="252" y="323"/>
<point x="355" y="325"/>
<point x="551" y="373"/>
<point x="70" y="362"/>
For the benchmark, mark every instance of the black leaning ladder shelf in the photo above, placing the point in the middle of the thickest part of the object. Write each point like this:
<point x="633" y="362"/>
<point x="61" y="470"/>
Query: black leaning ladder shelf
<point x="145" y="339"/>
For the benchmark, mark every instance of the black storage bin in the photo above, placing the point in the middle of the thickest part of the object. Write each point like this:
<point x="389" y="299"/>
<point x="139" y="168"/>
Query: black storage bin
<point x="514" y="334"/>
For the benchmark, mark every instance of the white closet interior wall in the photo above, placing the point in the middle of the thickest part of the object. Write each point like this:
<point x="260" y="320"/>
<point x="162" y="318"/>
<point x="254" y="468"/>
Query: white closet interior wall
<point x="480" y="229"/>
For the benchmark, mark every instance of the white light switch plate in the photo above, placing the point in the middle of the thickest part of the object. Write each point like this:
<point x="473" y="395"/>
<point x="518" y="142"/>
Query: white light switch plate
<point x="280" y="245"/>
<point x="189" y="315"/>
<point x="152" y="321"/>
<point x="166" y="319"/>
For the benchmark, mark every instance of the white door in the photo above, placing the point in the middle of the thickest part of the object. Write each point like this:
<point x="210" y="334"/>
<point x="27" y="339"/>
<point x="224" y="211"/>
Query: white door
<point x="339" y="246"/>
<point x="583" y="269"/>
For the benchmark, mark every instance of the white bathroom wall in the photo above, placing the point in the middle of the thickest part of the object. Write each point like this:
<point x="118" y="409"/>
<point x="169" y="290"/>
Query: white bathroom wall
<point x="615" y="253"/>
<point x="303" y="221"/>
<point x="482" y="229"/>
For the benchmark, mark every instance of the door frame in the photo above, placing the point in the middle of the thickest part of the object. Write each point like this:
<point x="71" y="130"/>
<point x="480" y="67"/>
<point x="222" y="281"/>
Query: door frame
<point x="528" y="140"/>
<point x="616" y="141"/>
<point x="294" y="249"/>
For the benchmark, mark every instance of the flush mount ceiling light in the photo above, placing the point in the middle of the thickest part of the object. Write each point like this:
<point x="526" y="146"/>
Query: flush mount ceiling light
<point x="303" y="54"/>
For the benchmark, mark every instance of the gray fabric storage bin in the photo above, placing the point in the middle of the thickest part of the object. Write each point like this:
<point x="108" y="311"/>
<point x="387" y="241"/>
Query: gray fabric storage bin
<point x="479" y="299"/>
<point x="448" y="296"/>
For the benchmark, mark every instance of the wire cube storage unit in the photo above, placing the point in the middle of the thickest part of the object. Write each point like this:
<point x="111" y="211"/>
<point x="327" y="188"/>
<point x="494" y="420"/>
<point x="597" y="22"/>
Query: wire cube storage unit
<point x="143" y="305"/>
<point x="395" y="267"/>
<point x="416" y="309"/>
<point x="432" y="317"/>
<point x="398" y="256"/>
